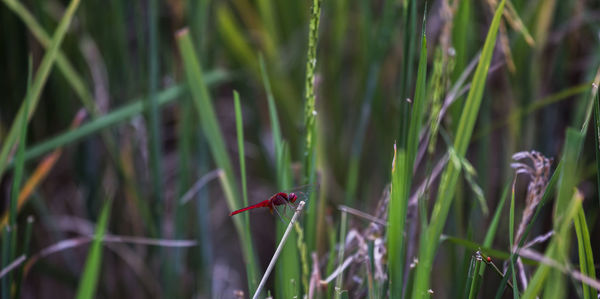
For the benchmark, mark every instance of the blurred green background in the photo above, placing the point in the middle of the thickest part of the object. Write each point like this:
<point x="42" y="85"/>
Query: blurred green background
<point x="161" y="117"/>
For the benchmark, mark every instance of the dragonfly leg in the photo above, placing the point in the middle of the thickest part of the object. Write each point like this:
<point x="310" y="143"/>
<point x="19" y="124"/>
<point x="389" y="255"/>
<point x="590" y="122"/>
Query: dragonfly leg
<point x="292" y="206"/>
<point x="280" y="216"/>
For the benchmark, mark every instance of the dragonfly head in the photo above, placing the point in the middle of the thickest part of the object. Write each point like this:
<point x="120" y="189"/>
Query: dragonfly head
<point x="292" y="197"/>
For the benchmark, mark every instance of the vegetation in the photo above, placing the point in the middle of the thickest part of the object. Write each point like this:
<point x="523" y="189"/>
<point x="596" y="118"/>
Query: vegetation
<point x="446" y="148"/>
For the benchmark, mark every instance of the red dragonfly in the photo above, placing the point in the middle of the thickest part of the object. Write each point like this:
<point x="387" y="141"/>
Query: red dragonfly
<point x="278" y="199"/>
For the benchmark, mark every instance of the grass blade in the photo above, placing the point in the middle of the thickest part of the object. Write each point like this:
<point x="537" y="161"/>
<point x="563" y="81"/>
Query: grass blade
<point x="511" y="232"/>
<point x="67" y="69"/>
<point x="212" y="131"/>
<point x="155" y="144"/>
<point x="310" y="114"/>
<point x="565" y="209"/>
<point x="475" y="275"/>
<point x="451" y="174"/>
<point x="342" y="244"/>
<point x="287" y="269"/>
<point x="597" y="140"/>
<point x="278" y="250"/>
<point x="38" y="83"/>
<point x="111" y="119"/>
<point x="20" y="161"/>
<point x="25" y="252"/>
<point x="239" y="124"/>
<point x="491" y="231"/>
<point x="402" y="172"/>
<point x="586" y="256"/>
<point x="91" y="271"/>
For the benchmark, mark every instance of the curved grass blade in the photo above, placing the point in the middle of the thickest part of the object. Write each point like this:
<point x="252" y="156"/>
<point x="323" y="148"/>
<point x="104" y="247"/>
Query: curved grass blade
<point x="565" y="210"/>
<point x="451" y="174"/>
<point x="91" y="271"/>
<point x="65" y="66"/>
<point x="38" y="83"/>
<point x="402" y="171"/>
<point x="586" y="256"/>
<point x="111" y="119"/>
<point x="212" y="131"/>
<point x="511" y="232"/>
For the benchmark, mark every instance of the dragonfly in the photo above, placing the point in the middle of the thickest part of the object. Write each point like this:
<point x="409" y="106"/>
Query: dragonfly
<point x="278" y="199"/>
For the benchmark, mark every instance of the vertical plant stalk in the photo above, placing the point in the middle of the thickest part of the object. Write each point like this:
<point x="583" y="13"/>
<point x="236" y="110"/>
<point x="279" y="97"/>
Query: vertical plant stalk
<point x="597" y="139"/>
<point x="278" y="250"/>
<point x="20" y="161"/>
<point x="239" y="124"/>
<point x="511" y="233"/>
<point x="4" y="256"/>
<point x="475" y="275"/>
<point x="409" y="14"/>
<point x="340" y="278"/>
<point x="212" y="131"/>
<point x="449" y="179"/>
<point x="309" y="119"/>
<point x="309" y="88"/>
<point x="586" y="256"/>
<point x="402" y="172"/>
<point x="26" y="250"/>
<point x="154" y="116"/>
<point x="93" y="263"/>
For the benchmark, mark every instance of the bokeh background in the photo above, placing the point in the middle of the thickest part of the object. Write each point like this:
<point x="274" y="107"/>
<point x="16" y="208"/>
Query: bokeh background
<point x="128" y="116"/>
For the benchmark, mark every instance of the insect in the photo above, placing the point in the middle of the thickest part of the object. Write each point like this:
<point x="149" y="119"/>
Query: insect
<point x="278" y="199"/>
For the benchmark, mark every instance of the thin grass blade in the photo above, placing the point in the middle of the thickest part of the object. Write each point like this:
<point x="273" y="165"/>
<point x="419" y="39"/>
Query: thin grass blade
<point x="212" y="131"/>
<point x="451" y="174"/>
<point x="402" y="172"/>
<point x="91" y="271"/>
<point x="586" y="256"/>
<point x="38" y="83"/>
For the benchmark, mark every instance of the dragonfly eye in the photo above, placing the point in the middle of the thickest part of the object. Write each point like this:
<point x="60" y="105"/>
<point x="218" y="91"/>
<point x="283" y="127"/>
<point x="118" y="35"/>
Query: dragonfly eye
<point x="292" y="197"/>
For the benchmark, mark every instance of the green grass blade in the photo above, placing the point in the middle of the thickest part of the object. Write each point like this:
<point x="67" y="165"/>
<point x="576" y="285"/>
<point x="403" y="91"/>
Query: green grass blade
<point x="212" y="131"/>
<point x="67" y="69"/>
<point x="111" y="119"/>
<point x="287" y="269"/>
<point x="563" y="214"/>
<point x="402" y="172"/>
<point x="106" y="121"/>
<point x="342" y="242"/>
<point x="91" y="271"/>
<point x="545" y="198"/>
<point x="511" y="232"/>
<point x="586" y="256"/>
<point x="310" y="118"/>
<point x="38" y="83"/>
<point x="155" y="142"/>
<point x="20" y="161"/>
<point x="475" y="276"/>
<point x="597" y="141"/>
<point x="409" y="15"/>
<point x="239" y="124"/>
<point x="451" y="174"/>
<point x="491" y="231"/>
<point x="555" y="284"/>
<point x="25" y="251"/>
<point x="287" y="277"/>
<point x="275" y="126"/>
